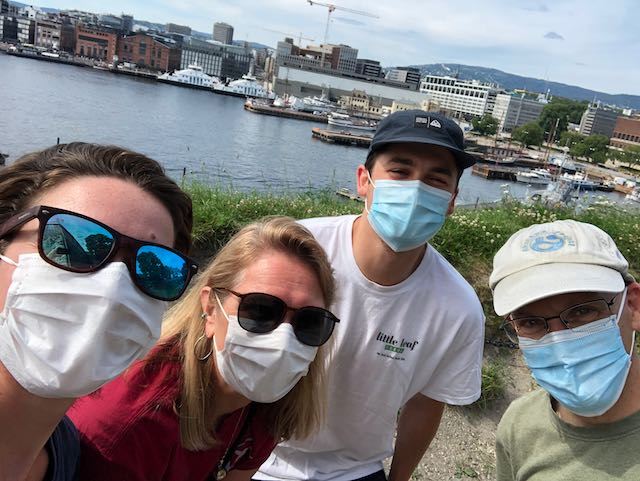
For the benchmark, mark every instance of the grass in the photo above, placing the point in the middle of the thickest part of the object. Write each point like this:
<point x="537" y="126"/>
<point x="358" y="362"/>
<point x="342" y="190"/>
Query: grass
<point x="493" y="383"/>
<point x="468" y="240"/>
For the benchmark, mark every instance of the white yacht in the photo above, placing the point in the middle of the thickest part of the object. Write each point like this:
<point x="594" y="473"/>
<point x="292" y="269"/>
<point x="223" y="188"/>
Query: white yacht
<point x="193" y="77"/>
<point x="314" y="104"/>
<point x="247" y="86"/>
<point x="535" y="176"/>
<point x="343" y="120"/>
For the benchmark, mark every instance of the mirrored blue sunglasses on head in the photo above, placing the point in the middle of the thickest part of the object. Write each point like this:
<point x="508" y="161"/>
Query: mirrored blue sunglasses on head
<point x="77" y="243"/>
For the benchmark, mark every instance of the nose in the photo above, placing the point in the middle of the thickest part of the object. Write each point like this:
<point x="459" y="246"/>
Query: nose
<point x="288" y="315"/>
<point x="555" y="324"/>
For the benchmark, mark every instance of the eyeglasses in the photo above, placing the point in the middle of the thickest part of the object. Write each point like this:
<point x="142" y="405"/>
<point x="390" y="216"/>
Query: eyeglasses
<point x="260" y="313"/>
<point x="77" y="243"/>
<point x="573" y="317"/>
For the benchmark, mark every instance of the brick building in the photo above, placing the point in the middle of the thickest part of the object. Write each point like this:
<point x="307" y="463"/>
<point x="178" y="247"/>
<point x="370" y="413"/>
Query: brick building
<point x="626" y="132"/>
<point x="149" y="51"/>
<point x="95" y="42"/>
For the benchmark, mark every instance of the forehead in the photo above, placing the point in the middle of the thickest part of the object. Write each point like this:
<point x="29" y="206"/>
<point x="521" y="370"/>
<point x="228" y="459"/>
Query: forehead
<point x="115" y="202"/>
<point x="419" y="155"/>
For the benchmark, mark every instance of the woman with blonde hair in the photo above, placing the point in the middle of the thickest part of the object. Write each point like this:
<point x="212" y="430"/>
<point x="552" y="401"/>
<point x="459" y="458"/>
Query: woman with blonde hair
<point x="239" y="368"/>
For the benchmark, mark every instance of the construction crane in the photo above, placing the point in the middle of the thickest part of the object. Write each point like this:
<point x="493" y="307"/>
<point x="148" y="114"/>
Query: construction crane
<point x="299" y="37"/>
<point x="330" y="9"/>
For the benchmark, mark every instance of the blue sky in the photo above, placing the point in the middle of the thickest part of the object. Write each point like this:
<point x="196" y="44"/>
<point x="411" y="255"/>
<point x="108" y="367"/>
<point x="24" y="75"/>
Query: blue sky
<point x="590" y="43"/>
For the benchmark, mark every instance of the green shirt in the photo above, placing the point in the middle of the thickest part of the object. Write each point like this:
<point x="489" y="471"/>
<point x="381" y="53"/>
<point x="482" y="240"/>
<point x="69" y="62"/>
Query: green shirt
<point x="533" y="444"/>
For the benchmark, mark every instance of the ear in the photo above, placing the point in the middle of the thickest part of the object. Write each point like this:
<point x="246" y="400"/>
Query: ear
<point x="633" y="302"/>
<point x="452" y="203"/>
<point x="362" y="180"/>
<point x="208" y="309"/>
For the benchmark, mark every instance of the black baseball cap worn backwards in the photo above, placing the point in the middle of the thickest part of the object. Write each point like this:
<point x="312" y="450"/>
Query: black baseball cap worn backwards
<point x="418" y="126"/>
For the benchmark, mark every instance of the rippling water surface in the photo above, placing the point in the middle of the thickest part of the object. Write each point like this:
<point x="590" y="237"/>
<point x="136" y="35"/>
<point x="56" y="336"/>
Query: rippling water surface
<point x="209" y="135"/>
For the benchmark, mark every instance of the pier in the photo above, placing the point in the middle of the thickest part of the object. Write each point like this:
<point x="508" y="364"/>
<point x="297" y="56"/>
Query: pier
<point x="343" y="137"/>
<point x="261" y="108"/>
<point x="494" y="171"/>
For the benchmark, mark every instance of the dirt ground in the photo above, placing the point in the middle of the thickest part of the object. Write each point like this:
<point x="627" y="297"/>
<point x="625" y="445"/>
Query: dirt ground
<point x="463" y="448"/>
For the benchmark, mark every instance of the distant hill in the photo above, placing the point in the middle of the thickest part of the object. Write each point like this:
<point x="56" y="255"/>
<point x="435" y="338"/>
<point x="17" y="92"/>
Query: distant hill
<point x="510" y="81"/>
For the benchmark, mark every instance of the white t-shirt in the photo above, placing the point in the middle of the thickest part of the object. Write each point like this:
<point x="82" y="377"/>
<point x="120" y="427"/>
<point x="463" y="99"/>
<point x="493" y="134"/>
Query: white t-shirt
<point x="423" y="335"/>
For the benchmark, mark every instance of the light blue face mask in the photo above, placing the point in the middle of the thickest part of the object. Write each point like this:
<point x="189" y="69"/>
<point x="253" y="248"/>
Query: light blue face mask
<point x="584" y="369"/>
<point x="406" y="213"/>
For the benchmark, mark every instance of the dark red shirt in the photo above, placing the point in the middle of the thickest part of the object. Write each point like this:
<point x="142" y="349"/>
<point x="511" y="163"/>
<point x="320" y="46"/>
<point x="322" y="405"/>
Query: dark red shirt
<point x="129" y="431"/>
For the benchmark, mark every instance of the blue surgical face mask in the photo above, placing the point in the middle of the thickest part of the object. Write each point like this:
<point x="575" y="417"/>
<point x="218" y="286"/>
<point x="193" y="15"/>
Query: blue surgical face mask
<point x="585" y="368"/>
<point x="406" y="213"/>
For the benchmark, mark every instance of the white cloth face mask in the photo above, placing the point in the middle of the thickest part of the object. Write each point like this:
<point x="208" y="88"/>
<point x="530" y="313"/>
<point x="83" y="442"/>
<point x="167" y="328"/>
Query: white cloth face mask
<point x="262" y="367"/>
<point x="64" y="334"/>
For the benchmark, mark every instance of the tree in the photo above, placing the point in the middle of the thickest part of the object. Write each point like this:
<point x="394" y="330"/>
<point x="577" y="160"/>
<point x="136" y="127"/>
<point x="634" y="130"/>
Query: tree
<point x="98" y="245"/>
<point x="485" y="125"/>
<point x="595" y="148"/>
<point x="150" y="268"/>
<point x="529" y="134"/>
<point x="630" y="155"/>
<point x="569" y="139"/>
<point x="563" y="111"/>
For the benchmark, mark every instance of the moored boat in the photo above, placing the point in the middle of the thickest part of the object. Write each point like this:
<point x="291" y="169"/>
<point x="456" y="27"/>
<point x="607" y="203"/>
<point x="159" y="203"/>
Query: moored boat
<point x="535" y="176"/>
<point x="247" y="86"/>
<point x="193" y="77"/>
<point x="343" y="120"/>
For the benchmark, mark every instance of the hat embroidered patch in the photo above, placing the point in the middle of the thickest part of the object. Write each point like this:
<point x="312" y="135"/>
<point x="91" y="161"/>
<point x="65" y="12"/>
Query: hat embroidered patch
<point x="547" y="242"/>
<point x="421" y="121"/>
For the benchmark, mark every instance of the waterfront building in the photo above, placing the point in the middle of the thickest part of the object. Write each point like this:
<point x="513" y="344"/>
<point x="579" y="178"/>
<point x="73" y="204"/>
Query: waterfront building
<point x="427" y="105"/>
<point x="408" y="75"/>
<point x="626" y="132"/>
<point x="598" y="120"/>
<point x="26" y="29"/>
<point x="513" y="111"/>
<point x="286" y="47"/>
<point x="459" y="97"/>
<point x="175" y="28"/>
<point x="308" y="81"/>
<point x="48" y="34"/>
<point x="343" y="58"/>
<point x="149" y="51"/>
<point x="96" y="42"/>
<point x="8" y="28"/>
<point x="29" y="11"/>
<point x="368" y="68"/>
<point x="127" y="23"/>
<point x="223" y="33"/>
<point x="217" y="60"/>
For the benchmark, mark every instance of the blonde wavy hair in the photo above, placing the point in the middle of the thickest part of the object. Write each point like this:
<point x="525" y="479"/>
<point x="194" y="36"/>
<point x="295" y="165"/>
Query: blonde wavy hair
<point x="300" y="412"/>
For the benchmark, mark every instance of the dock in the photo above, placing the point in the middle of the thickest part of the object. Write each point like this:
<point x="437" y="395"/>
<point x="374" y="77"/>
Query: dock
<point x="494" y="171"/>
<point x="261" y="108"/>
<point x="342" y="137"/>
<point x="344" y="192"/>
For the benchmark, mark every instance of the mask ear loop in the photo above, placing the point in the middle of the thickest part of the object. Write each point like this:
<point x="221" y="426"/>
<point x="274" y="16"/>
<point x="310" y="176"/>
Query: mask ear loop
<point x="619" y="315"/>
<point x="366" y="208"/>
<point x="8" y="261"/>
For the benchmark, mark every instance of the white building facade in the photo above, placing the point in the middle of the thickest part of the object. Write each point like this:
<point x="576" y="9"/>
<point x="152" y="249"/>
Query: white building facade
<point x="458" y="97"/>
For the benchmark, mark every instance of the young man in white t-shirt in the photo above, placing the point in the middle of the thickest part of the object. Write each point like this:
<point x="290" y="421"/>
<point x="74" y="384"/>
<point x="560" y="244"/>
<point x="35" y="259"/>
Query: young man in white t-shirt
<point x="411" y="334"/>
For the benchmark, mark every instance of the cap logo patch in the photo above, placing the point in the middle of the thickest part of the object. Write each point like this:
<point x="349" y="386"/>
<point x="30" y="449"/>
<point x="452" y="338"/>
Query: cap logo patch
<point x="426" y="122"/>
<point x="547" y="242"/>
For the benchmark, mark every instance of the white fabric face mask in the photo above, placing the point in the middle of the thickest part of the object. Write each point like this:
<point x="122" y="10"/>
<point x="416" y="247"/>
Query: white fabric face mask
<point x="262" y="367"/>
<point x="64" y="334"/>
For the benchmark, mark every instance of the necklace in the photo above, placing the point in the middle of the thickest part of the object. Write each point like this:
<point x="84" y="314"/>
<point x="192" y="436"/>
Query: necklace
<point x="221" y="470"/>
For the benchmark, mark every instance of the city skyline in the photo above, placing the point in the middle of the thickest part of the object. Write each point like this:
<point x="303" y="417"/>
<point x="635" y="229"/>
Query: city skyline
<point x="588" y="44"/>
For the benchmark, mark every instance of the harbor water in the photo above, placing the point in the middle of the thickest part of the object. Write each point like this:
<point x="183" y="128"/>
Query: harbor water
<point x="209" y="136"/>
